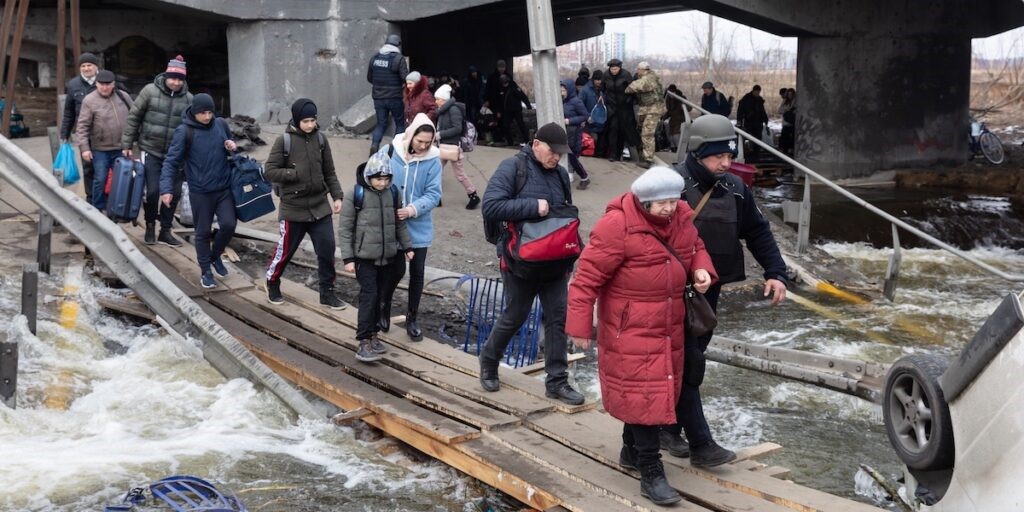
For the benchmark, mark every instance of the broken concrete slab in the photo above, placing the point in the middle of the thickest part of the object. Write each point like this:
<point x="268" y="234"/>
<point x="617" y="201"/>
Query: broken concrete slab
<point x="359" y="118"/>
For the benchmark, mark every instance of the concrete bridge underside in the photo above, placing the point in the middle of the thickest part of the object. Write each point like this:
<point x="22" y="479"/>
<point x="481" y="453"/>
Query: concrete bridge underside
<point x="880" y="85"/>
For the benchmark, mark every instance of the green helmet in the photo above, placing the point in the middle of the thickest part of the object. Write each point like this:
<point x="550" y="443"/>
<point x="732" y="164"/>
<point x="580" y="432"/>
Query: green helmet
<point x="709" y="128"/>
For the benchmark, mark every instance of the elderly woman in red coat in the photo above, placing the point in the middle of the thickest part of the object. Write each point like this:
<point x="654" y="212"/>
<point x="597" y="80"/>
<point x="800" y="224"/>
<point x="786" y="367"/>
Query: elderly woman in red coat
<point x="638" y="286"/>
<point x="418" y="98"/>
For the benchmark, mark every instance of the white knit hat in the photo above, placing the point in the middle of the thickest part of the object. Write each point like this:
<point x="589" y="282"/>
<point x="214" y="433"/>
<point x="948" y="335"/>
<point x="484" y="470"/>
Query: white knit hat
<point x="444" y="92"/>
<point x="413" y="77"/>
<point x="658" y="183"/>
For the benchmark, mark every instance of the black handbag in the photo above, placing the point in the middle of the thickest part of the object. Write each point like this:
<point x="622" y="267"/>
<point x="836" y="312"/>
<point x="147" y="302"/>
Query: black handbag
<point x="700" y="318"/>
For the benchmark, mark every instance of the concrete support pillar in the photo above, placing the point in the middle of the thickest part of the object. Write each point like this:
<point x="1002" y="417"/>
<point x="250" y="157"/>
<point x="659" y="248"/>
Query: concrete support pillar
<point x="272" y="63"/>
<point x="866" y="104"/>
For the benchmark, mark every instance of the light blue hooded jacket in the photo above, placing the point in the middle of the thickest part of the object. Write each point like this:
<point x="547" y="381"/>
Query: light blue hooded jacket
<point x="418" y="178"/>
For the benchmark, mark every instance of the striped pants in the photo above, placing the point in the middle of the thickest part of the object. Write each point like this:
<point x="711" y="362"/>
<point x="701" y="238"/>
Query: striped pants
<point x="321" y="232"/>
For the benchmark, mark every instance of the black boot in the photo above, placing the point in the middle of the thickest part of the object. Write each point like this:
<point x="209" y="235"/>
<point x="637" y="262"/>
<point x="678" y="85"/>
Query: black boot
<point x="489" y="376"/>
<point x="474" y="201"/>
<point x="627" y="457"/>
<point x="411" y="328"/>
<point x="675" y="444"/>
<point x="711" y="455"/>
<point x="374" y="149"/>
<point x="384" y="321"/>
<point x="150" y="238"/>
<point x="654" y="486"/>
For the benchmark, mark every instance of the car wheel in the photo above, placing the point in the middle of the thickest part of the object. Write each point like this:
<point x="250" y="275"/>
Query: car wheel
<point x="916" y="414"/>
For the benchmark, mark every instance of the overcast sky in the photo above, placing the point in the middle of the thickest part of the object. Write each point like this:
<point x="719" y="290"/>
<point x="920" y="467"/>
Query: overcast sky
<point x="673" y="35"/>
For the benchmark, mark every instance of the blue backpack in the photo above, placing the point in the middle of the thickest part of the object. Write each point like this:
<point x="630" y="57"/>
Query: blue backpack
<point x="251" y="191"/>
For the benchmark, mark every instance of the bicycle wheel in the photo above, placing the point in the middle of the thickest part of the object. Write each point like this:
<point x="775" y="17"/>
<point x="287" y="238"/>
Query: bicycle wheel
<point x="992" y="147"/>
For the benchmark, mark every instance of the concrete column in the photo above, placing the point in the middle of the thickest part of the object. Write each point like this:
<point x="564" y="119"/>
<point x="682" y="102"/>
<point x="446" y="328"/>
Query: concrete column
<point x="274" y="62"/>
<point x="866" y="104"/>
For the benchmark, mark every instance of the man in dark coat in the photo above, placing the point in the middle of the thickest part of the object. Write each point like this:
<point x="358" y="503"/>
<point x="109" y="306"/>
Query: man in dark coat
<point x="714" y="101"/>
<point x="387" y="73"/>
<point x="75" y="92"/>
<point x="472" y="94"/>
<point x="512" y="99"/>
<point x="546" y="185"/>
<point x="621" y="126"/>
<point x="751" y="116"/>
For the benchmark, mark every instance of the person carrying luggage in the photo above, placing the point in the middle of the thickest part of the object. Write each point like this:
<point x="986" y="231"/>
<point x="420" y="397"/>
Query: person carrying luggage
<point x="100" y="123"/>
<point x="300" y="165"/>
<point x="375" y="245"/>
<point x="202" y="143"/>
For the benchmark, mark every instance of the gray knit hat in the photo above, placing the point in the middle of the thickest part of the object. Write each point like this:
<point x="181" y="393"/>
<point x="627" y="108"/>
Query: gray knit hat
<point x="658" y="183"/>
<point x="413" y="77"/>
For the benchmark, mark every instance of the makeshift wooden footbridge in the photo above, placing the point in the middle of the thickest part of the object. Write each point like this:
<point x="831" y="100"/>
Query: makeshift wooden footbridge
<point x="546" y="454"/>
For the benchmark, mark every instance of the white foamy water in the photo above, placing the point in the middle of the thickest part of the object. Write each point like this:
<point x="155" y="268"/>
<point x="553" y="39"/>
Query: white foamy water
<point x="142" y="404"/>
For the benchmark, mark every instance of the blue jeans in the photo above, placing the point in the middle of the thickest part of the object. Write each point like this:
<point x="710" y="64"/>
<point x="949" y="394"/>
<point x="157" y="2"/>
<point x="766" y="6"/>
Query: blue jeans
<point x="396" y="109"/>
<point x="101" y="161"/>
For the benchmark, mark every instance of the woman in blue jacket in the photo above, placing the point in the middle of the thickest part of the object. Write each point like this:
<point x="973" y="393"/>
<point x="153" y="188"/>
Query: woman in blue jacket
<point x="576" y="115"/>
<point x="203" y="143"/>
<point x="416" y="165"/>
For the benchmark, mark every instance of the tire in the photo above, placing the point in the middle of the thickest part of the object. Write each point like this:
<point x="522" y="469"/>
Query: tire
<point x="992" y="147"/>
<point x="916" y="414"/>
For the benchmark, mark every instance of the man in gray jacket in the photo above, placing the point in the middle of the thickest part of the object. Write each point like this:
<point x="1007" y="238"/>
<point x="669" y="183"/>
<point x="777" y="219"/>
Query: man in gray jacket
<point x="100" y="123"/>
<point x="157" y="112"/>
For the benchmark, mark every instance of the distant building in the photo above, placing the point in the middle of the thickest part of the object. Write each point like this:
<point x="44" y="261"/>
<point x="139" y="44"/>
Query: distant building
<point x="615" y="46"/>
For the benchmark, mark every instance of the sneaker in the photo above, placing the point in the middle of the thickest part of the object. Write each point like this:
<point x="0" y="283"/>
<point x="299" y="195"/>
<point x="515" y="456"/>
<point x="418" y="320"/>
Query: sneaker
<point x="207" y="280"/>
<point x="674" y="444"/>
<point x="332" y="301"/>
<point x="219" y="268"/>
<point x="274" y="293"/>
<point x="474" y="201"/>
<point x="365" y="354"/>
<point x="167" y="238"/>
<point x="150" y="237"/>
<point x="377" y="347"/>
<point x="566" y="393"/>
<point x="710" y="455"/>
<point x="584" y="183"/>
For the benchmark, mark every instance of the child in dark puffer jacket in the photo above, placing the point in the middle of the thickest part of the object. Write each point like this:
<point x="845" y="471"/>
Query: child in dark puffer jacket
<point x="373" y="243"/>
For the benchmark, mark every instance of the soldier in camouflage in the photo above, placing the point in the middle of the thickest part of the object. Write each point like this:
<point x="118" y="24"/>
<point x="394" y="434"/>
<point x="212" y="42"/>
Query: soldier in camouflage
<point x="649" y="94"/>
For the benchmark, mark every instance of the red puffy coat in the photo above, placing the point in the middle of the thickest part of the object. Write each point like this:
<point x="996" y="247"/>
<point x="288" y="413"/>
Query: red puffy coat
<point x="418" y="100"/>
<point x="638" y="286"/>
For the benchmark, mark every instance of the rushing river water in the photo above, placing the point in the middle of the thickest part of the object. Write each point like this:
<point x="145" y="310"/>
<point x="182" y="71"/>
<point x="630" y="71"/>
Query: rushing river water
<point x="142" y="404"/>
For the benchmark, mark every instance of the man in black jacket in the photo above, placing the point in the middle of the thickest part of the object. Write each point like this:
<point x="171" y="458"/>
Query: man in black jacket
<point x="621" y="126"/>
<point x="546" y="184"/>
<point x="729" y="215"/>
<point x="387" y="74"/>
<point x="76" y="91"/>
<point x="752" y="117"/>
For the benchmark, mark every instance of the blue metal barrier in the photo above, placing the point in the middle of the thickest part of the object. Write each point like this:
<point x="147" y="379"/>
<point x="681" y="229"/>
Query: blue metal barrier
<point x="486" y="304"/>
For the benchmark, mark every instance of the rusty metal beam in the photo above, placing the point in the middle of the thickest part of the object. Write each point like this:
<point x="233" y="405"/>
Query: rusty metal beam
<point x="12" y="67"/>
<point x="5" y="35"/>
<point x="76" y="35"/>
<point x="62" y="22"/>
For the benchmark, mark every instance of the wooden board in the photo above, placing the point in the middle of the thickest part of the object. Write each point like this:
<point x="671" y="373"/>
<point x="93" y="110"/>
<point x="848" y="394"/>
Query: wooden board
<point x="599" y="436"/>
<point x="433" y="350"/>
<point x="335" y="386"/>
<point x="508" y="400"/>
<point x="133" y="308"/>
<point x="183" y="258"/>
<point x="386" y="377"/>
<point x="538" y="367"/>
<point x="186" y="287"/>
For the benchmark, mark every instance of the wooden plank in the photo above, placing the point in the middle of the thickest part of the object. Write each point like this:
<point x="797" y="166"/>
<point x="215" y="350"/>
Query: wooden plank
<point x="172" y="273"/>
<point x="599" y="436"/>
<point x="350" y="417"/>
<point x="429" y="348"/>
<point x="129" y="307"/>
<point x="340" y="389"/>
<point x="538" y="367"/>
<point x="183" y="258"/>
<point x="757" y="451"/>
<point x="387" y="377"/>
<point x="508" y="400"/>
<point x="594" y="476"/>
<point x="775" y="472"/>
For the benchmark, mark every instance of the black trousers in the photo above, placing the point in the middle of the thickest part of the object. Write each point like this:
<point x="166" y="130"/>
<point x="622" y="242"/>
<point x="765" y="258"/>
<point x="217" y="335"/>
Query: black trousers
<point x="152" y="205"/>
<point x="373" y="280"/>
<point x="321" y="232"/>
<point x="204" y="207"/>
<point x="621" y="130"/>
<point x="416" y="272"/>
<point x="519" y="295"/>
<point x="689" y="410"/>
<point x="507" y="118"/>
<point x="644" y="439"/>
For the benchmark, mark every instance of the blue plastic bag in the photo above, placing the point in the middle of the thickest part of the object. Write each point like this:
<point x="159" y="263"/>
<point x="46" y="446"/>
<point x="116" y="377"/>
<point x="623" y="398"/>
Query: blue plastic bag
<point x="67" y="162"/>
<point x="599" y="115"/>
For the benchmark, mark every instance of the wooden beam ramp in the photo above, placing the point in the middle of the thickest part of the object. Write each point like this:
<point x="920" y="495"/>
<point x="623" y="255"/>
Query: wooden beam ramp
<point x="546" y="454"/>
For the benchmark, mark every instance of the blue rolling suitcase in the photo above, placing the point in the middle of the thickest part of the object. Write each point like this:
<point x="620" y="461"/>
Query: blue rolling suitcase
<point x="128" y="179"/>
<point x="251" y="191"/>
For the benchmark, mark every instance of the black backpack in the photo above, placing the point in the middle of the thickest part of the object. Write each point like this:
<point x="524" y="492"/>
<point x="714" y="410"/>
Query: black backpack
<point x="494" y="230"/>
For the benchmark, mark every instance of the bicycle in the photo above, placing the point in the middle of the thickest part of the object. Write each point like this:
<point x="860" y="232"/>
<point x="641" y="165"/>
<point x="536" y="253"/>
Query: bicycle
<point x="984" y="142"/>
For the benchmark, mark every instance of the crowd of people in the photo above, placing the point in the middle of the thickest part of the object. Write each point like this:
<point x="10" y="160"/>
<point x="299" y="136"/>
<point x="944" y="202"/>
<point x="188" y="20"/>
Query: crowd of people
<point x="674" y="227"/>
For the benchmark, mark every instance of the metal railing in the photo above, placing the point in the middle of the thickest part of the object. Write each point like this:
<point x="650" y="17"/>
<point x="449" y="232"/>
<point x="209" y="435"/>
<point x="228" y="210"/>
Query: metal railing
<point x="804" y="222"/>
<point x="175" y="310"/>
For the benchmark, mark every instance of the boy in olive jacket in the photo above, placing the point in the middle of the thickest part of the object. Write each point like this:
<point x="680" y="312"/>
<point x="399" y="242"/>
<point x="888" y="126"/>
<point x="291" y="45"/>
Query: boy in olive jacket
<point x="301" y="168"/>
<point x="373" y="244"/>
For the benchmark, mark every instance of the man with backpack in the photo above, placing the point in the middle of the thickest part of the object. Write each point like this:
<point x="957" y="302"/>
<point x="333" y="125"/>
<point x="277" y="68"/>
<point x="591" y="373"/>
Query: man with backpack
<point x="201" y="143"/>
<point x="154" y="118"/>
<point x="451" y="125"/>
<point x="301" y="167"/>
<point x="100" y="123"/>
<point x="527" y="187"/>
